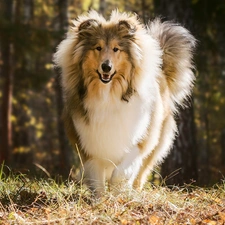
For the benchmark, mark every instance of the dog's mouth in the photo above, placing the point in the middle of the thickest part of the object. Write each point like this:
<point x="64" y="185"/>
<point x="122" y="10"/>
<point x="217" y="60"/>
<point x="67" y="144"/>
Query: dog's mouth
<point x="105" y="77"/>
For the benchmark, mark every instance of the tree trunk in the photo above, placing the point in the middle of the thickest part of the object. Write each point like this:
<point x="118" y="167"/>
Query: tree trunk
<point x="223" y="147"/>
<point x="204" y="155"/>
<point x="102" y="7"/>
<point x="181" y="165"/>
<point x="7" y="49"/>
<point x="65" y="154"/>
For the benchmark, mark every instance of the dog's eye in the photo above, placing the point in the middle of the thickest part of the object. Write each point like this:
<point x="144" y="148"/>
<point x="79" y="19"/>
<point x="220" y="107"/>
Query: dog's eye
<point x="99" y="48"/>
<point x="115" y="49"/>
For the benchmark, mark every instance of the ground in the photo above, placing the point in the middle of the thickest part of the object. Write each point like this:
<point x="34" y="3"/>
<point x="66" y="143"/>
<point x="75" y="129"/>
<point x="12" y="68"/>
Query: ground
<point x="44" y="201"/>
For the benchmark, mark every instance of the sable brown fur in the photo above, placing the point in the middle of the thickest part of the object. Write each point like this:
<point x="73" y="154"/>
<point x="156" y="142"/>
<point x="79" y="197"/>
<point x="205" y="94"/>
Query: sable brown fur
<point x="122" y="82"/>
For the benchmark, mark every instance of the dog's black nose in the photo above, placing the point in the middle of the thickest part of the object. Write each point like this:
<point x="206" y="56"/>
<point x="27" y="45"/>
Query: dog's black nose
<point x="106" y="66"/>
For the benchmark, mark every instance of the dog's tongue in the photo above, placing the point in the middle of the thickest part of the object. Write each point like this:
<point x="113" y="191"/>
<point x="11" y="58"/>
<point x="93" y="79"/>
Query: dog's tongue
<point x="105" y="77"/>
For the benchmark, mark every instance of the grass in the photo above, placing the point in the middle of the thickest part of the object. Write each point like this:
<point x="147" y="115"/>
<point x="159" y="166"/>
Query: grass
<point x="44" y="201"/>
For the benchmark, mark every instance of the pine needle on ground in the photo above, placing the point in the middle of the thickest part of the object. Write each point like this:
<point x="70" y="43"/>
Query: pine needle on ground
<point x="31" y="201"/>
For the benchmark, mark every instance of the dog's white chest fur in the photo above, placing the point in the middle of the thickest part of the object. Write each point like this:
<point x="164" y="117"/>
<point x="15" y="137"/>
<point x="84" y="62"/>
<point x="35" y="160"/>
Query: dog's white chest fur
<point x="114" y="127"/>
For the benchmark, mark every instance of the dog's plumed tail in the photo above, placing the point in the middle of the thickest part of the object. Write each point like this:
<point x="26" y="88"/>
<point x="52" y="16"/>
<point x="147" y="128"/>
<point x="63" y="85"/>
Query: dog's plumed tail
<point x="177" y="44"/>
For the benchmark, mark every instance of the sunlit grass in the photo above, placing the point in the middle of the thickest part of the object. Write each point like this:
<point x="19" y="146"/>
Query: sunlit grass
<point x="25" y="200"/>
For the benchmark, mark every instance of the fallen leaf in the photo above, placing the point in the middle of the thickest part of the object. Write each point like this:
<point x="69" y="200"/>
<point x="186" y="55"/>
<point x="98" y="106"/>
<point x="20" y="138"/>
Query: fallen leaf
<point x="222" y="216"/>
<point x="209" y="222"/>
<point x="124" y="222"/>
<point x="153" y="220"/>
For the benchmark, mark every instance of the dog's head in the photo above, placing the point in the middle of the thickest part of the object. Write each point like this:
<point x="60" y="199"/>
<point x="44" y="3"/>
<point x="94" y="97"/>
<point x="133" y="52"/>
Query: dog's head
<point x="98" y="53"/>
<point x="107" y="49"/>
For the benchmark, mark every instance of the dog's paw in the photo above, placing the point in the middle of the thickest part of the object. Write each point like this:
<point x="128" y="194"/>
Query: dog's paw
<point x="118" y="176"/>
<point x="120" y="179"/>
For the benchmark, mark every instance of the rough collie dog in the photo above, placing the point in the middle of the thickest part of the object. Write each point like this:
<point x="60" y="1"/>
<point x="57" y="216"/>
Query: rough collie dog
<point x="122" y="82"/>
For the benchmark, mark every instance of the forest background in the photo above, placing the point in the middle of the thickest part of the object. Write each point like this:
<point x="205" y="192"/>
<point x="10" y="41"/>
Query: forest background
<point x="32" y="137"/>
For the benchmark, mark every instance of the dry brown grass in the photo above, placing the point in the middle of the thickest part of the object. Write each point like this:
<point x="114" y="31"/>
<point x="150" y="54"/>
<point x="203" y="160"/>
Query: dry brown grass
<point x="32" y="201"/>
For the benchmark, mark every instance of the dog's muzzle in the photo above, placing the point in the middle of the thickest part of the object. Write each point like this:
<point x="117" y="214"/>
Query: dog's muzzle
<point x="106" y="75"/>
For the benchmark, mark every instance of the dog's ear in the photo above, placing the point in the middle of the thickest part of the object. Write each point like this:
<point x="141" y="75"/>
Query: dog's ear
<point x="126" y="28"/>
<point x="86" y="28"/>
<point x="88" y="24"/>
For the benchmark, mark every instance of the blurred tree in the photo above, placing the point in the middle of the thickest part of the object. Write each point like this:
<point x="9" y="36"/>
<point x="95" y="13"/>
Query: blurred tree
<point x="181" y="165"/>
<point x="28" y="32"/>
<point x="65" y="153"/>
<point x="30" y="95"/>
<point x="210" y="102"/>
<point x="223" y="147"/>
<point x="7" y="52"/>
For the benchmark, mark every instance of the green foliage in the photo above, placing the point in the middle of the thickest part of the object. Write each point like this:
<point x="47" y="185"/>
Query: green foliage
<point x="35" y="32"/>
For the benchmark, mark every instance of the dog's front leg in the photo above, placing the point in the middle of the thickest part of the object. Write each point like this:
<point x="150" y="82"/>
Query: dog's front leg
<point x="94" y="176"/>
<point x="125" y="173"/>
